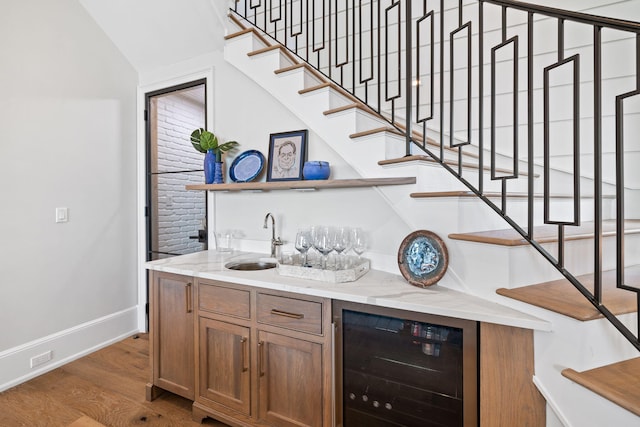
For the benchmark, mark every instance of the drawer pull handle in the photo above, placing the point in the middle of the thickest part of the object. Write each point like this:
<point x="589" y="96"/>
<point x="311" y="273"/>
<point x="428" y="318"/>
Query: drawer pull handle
<point x="261" y="358"/>
<point x="188" y="297"/>
<point x="243" y="342"/>
<point x="277" y="312"/>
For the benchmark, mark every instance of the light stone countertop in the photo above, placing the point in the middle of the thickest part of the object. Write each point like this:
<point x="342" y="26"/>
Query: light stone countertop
<point x="375" y="288"/>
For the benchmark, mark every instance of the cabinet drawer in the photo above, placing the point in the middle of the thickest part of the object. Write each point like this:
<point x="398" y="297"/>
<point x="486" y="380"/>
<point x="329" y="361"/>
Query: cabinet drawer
<point x="224" y="300"/>
<point x="291" y="313"/>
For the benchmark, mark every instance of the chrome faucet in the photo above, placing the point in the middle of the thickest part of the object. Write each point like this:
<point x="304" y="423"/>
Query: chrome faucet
<point x="274" y="241"/>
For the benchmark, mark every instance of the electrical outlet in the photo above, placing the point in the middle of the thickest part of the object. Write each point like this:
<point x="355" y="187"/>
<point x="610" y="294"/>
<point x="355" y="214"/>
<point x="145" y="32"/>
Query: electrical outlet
<point x="41" y="359"/>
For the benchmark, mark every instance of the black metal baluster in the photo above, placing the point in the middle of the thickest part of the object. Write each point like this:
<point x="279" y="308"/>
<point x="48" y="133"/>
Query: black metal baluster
<point x="460" y="28"/>
<point x="408" y="77"/>
<point x="297" y="33"/>
<point x="620" y="179"/>
<point x="379" y="58"/>
<point x="315" y="47"/>
<point x="340" y="65"/>
<point x="275" y="21"/>
<point x="530" y="140"/>
<point x="353" y="44"/>
<point x="597" y="162"/>
<point x="306" y="39"/>
<point x="392" y="97"/>
<point x="426" y="18"/>
<point x="441" y="81"/>
<point x="362" y="78"/>
<point x="481" y="97"/>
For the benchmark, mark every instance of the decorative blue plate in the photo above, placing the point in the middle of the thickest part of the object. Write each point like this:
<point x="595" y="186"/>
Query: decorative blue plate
<point x="246" y="166"/>
<point x="423" y="258"/>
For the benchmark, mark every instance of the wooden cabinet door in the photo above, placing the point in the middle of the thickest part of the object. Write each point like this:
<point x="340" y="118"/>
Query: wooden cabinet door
<point x="224" y="375"/>
<point x="172" y="334"/>
<point x="289" y="381"/>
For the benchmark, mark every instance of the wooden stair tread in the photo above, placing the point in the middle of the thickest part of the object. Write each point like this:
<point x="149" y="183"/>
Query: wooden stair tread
<point x="562" y="297"/>
<point x="239" y="33"/>
<point x="236" y="20"/>
<point x="388" y="129"/>
<point x="376" y="130"/>
<point x="356" y="103"/>
<point x="345" y="108"/>
<point x="246" y="31"/>
<point x="304" y="65"/>
<point x="314" y="88"/>
<point x="425" y="158"/>
<point x="545" y="233"/>
<point x="617" y="382"/>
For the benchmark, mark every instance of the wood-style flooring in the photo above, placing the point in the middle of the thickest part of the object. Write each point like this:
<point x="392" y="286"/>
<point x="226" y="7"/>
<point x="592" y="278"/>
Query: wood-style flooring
<point x="104" y="388"/>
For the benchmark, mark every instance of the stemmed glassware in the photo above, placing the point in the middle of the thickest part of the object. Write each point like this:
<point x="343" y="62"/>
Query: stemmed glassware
<point x="303" y="244"/>
<point x="359" y="241"/>
<point x="342" y="243"/>
<point x="323" y="241"/>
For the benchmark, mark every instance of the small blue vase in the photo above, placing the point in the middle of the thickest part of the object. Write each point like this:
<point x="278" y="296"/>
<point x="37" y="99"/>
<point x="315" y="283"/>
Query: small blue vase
<point x="316" y="169"/>
<point x="209" y="166"/>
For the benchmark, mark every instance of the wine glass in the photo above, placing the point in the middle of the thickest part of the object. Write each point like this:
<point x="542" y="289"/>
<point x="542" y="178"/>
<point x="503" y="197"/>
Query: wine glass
<point x="342" y="243"/>
<point x="303" y="243"/>
<point x="323" y="242"/>
<point x="359" y="241"/>
<point x="313" y="233"/>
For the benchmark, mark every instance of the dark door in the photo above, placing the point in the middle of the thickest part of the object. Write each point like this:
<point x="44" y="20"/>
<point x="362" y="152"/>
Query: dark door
<point x="176" y="218"/>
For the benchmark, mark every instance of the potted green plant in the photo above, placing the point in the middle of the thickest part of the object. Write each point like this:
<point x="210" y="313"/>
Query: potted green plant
<point x="208" y="143"/>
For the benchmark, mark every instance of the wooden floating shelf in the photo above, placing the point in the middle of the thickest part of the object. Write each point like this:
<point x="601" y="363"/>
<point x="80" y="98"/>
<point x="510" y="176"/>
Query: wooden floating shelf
<point x="303" y="185"/>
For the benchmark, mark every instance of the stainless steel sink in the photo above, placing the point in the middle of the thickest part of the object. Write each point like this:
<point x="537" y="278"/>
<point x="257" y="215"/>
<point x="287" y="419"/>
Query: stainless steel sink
<point x="250" y="265"/>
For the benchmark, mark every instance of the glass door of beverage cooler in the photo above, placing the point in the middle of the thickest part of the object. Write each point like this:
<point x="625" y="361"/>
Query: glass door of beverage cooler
<point x="405" y="369"/>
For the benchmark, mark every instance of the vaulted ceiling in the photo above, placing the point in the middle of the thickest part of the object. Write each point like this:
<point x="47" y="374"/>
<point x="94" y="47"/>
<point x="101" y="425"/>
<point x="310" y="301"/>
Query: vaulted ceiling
<point x="157" y="33"/>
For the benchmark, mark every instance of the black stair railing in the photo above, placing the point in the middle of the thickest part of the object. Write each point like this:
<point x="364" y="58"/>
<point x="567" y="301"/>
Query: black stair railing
<point x="533" y="93"/>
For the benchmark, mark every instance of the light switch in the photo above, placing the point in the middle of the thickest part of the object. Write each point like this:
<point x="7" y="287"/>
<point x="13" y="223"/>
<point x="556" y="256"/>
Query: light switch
<point x="62" y="214"/>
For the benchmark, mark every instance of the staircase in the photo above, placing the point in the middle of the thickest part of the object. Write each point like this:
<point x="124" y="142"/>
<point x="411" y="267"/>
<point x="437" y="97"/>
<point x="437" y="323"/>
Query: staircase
<point x="537" y="267"/>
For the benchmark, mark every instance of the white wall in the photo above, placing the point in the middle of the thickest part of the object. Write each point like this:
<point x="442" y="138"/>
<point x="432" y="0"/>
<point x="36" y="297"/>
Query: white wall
<point x="67" y="139"/>
<point x="245" y="112"/>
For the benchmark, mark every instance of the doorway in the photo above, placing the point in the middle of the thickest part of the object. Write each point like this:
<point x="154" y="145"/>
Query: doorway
<point x="176" y="218"/>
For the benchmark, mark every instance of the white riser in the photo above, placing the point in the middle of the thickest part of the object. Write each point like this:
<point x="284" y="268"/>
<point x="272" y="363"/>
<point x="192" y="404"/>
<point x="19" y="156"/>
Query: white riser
<point x="485" y="267"/>
<point x="326" y="98"/>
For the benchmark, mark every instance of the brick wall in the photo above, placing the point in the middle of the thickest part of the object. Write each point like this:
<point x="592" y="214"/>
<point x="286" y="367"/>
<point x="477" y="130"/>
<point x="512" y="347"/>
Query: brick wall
<point x="180" y="212"/>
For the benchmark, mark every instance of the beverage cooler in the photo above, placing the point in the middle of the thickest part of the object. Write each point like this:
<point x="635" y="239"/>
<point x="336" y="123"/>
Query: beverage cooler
<point x="399" y="368"/>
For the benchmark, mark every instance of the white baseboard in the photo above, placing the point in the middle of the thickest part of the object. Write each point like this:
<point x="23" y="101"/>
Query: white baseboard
<point x="66" y="346"/>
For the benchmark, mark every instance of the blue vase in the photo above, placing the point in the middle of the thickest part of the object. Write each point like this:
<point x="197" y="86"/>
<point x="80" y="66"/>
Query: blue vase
<point x="316" y="170"/>
<point x="209" y="166"/>
<point x="218" y="173"/>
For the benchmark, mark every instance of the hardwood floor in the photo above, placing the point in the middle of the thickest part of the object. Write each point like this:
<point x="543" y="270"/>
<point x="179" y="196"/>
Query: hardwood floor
<point x="104" y="388"/>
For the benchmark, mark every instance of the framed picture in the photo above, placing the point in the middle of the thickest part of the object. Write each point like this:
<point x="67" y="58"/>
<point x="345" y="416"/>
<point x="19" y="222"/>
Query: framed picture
<point x="287" y="154"/>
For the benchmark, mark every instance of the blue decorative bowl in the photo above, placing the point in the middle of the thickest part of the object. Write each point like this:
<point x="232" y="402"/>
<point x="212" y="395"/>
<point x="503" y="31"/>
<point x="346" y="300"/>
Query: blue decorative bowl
<point x="316" y="170"/>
